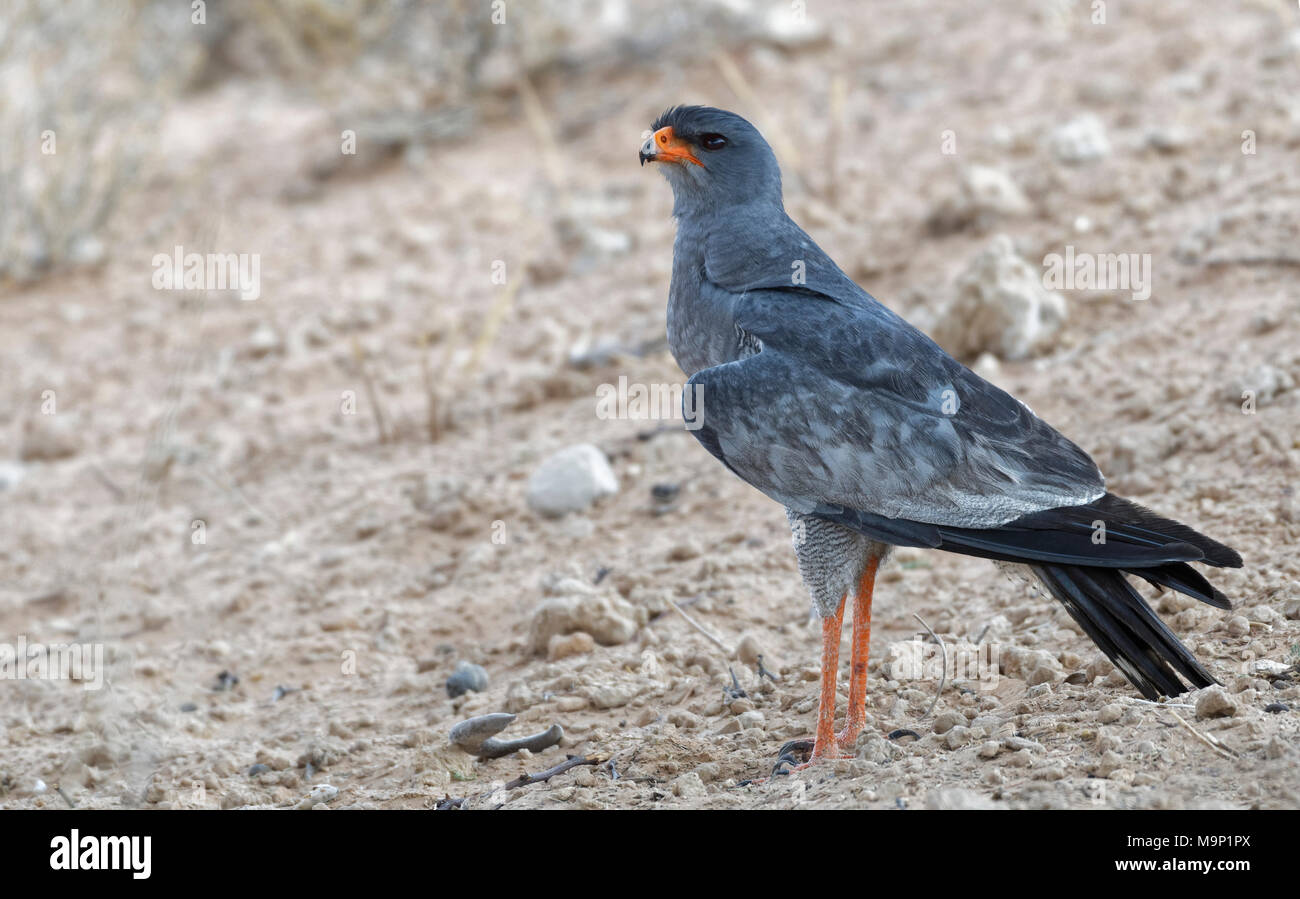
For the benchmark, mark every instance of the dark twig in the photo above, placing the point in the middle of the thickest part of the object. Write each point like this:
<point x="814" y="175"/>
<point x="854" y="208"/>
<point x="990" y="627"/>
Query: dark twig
<point x="735" y="691"/>
<point x="102" y="476"/>
<point x="573" y="761"/>
<point x="524" y="780"/>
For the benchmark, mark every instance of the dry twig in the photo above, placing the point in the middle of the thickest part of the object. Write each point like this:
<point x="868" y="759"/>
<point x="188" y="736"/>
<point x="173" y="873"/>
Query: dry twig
<point x="699" y="627"/>
<point x="943" y="676"/>
<point x="1206" y="738"/>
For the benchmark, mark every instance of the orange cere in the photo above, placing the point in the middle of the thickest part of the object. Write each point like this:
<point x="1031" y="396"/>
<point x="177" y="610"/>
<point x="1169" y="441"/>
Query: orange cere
<point x="671" y="148"/>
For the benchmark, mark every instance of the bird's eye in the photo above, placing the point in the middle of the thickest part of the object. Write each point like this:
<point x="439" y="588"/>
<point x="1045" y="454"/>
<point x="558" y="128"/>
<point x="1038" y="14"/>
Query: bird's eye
<point x="712" y="141"/>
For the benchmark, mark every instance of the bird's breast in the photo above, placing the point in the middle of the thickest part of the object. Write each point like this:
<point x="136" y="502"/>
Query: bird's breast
<point x="701" y="319"/>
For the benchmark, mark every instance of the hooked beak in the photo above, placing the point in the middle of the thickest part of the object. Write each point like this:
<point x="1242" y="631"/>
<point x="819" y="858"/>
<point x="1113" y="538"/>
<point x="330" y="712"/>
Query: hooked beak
<point x="664" y="146"/>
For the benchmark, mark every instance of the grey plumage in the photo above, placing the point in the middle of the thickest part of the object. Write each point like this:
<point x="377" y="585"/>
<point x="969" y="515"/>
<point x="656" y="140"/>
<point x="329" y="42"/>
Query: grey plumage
<point x="831" y="558"/>
<point x="868" y="432"/>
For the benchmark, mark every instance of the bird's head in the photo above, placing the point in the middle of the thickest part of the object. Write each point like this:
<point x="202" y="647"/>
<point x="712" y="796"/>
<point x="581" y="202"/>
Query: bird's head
<point x="712" y="158"/>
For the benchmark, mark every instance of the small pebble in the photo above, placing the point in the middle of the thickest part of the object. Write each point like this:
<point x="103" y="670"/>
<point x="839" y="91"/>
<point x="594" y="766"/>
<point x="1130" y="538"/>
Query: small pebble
<point x="562" y="646"/>
<point x="465" y="678"/>
<point x="1110" y="713"/>
<point x="571" y="480"/>
<point x="958" y="737"/>
<point x="319" y="794"/>
<point x="684" y="552"/>
<point x="689" y="786"/>
<point x="749" y="650"/>
<point x="1214" y="702"/>
<point x="946" y="721"/>
<point x="665" y="493"/>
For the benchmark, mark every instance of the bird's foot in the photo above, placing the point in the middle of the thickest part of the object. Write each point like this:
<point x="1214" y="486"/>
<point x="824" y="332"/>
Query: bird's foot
<point x="802" y="754"/>
<point x="847" y="739"/>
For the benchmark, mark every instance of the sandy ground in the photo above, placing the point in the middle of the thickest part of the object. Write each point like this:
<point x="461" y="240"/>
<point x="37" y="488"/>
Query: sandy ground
<point x="341" y="578"/>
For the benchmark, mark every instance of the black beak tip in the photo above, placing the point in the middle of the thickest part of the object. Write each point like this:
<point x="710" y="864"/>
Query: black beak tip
<point x="645" y="157"/>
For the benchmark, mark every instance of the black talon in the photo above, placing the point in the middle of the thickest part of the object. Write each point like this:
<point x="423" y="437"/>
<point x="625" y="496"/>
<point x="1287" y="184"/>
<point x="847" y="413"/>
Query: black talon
<point x="804" y="746"/>
<point x="787" y="755"/>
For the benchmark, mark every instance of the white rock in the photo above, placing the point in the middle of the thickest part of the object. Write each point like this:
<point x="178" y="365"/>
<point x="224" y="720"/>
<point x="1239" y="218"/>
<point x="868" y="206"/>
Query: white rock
<point x="1080" y="140"/>
<point x="786" y="29"/>
<point x="571" y="480"/>
<point x="992" y="191"/>
<point x="946" y="721"/>
<point x="319" y="793"/>
<point x="689" y="786"/>
<point x="985" y="195"/>
<point x="1168" y="140"/>
<point x="1001" y="307"/>
<point x="10" y="474"/>
<point x="264" y="341"/>
<point x="1264" y="383"/>
<point x="1214" y="702"/>
<point x="1269" y="666"/>
<point x="957" y="798"/>
<point x="610" y="620"/>
<point x="987" y="367"/>
<point x="1111" y="713"/>
<point x="608" y="242"/>
<point x="86" y="250"/>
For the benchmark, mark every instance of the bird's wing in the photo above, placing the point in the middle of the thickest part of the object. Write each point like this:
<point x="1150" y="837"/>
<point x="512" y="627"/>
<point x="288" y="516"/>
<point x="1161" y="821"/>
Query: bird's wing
<point x="847" y="406"/>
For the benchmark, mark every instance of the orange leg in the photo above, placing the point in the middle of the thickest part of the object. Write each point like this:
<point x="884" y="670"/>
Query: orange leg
<point x="831" y="627"/>
<point x="857" y="714"/>
<point x="825" y="745"/>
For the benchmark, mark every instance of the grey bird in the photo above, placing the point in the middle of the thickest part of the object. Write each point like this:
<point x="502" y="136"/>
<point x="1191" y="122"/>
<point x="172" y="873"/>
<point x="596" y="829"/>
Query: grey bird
<point x="873" y="437"/>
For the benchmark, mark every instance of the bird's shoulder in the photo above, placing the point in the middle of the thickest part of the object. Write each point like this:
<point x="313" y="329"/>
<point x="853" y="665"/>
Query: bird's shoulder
<point x="757" y="247"/>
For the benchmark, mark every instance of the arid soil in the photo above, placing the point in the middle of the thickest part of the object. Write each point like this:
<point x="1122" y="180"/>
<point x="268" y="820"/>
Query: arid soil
<point x="287" y="520"/>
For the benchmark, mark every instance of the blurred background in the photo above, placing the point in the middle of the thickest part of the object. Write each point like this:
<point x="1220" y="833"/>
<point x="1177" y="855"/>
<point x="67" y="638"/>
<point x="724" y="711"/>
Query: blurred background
<point x="290" y="519"/>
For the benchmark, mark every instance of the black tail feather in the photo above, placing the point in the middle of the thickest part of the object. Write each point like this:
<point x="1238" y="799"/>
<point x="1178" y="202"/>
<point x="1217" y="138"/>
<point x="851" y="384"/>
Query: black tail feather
<point x="1185" y="579"/>
<point x="1081" y="554"/>
<point x="1123" y="626"/>
<point x="1133" y="525"/>
<point x="1132" y="537"/>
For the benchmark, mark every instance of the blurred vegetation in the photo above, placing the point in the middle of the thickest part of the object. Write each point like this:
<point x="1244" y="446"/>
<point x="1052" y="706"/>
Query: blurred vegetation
<point x="80" y="94"/>
<point x="85" y="84"/>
